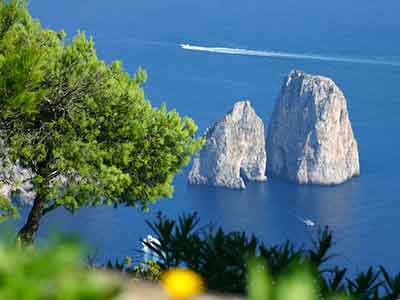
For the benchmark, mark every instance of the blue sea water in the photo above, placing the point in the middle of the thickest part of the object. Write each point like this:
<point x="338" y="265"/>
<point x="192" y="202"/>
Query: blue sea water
<point x="364" y="212"/>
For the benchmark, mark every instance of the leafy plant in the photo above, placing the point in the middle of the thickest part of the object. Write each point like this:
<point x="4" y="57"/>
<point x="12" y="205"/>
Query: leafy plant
<point x="391" y="284"/>
<point x="7" y="209"/>
<point x="55" y="272"/>
<point x="296" y="285"/>
<point x="82" y="126"/>
<point x="365" y="285"/>
<point x="222" y="260"/>
<point x="149" y="270"/>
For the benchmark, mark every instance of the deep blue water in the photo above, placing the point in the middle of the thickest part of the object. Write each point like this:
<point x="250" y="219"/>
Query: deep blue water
<point x="363" y="212"/>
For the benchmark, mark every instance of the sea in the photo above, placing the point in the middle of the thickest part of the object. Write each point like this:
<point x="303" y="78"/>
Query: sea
<point x="202" y="57"/>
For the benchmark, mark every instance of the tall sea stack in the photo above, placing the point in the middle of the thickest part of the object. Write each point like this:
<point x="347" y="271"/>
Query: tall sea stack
<point x="234" y="151"/>
<point x="310" y="138"/>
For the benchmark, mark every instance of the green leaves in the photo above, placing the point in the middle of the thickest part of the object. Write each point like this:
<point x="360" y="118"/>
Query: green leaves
<point x="26" y="51"/>
<point x="299" y="285"/>
<point x="295" y="285"/>
<point x="235" y="262"/>
<point x="54" y="272"/>
<point x="7" y="209"/>
<point x="84" y="127"/>
<point x="259" y="285"/>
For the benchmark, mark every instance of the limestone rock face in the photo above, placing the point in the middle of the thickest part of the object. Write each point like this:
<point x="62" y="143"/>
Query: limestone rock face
<point x="310" y="138"/>
<point x="13" y="178"/>
<point x="234" y="150"/>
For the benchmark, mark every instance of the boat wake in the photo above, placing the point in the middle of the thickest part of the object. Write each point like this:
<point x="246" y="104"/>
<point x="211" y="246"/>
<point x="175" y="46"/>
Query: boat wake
<point x="288" y="55"/>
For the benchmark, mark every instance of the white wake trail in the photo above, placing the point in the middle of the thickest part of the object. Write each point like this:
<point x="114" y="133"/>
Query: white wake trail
<point x="288" y="55"/>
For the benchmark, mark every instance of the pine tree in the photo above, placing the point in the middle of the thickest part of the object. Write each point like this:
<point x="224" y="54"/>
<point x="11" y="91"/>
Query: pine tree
<point x="83" y="127"/>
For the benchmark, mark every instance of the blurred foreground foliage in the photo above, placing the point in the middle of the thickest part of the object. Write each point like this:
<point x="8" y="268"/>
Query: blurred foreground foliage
<point x="228" y="262"/>
<point x="149" y="271"/>
<point x="55" y="272"/>
<point x="222" y="259"/>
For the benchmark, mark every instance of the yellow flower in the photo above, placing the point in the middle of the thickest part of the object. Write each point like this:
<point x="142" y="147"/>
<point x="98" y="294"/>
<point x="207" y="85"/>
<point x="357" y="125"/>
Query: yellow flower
<point x="181" y="283"/>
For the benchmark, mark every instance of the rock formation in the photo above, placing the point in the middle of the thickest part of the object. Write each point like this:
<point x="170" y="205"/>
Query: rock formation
<point x="234" y="150"/>
<point x="310" y="138"/>
<point x="14" y="179"/>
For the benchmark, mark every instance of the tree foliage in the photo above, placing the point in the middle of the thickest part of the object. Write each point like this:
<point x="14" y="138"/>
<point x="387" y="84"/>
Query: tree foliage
<point x="82" y="126"/>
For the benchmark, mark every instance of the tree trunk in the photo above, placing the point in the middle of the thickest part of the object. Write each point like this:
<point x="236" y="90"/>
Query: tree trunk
<point x="27" y="234"/>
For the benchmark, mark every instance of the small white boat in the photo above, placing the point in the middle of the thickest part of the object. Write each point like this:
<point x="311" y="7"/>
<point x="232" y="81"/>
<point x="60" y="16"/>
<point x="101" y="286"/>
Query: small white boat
<point x="149" y="254"/>
<point x="307" y="222"/>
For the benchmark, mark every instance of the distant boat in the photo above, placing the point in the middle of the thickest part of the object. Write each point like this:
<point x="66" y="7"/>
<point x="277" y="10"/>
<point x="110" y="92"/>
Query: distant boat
<point x="149" y="254"/>
<point x="307" y="222"/>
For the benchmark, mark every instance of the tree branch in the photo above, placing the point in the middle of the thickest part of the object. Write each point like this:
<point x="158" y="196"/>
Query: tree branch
<point x="50" y="208"/>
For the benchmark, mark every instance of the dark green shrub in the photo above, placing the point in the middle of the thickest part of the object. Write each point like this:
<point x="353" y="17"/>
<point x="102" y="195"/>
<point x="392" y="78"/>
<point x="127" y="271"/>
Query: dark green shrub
<point x="222" y="259"/>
